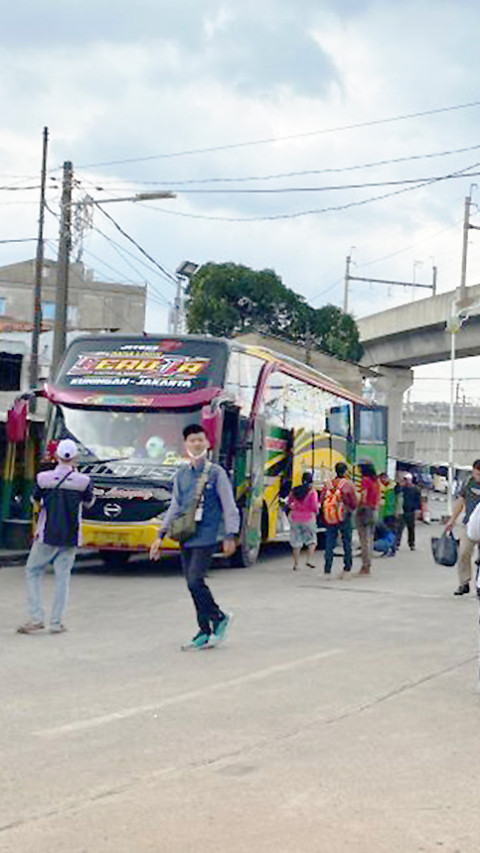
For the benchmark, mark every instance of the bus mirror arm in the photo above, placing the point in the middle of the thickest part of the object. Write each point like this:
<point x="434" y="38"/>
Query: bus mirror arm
<point x="212" y="424"/>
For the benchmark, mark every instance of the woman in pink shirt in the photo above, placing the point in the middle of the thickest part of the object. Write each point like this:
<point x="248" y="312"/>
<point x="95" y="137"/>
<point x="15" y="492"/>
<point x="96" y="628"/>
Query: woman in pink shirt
<point x="303" y="506"/>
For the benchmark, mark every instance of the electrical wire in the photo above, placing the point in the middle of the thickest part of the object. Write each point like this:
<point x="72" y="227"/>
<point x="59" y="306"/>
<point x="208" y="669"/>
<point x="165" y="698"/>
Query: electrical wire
<point x="170" y="277"/>
<point x="331" y="188"/>
<point x="272" y="139"/>
<point x="20" y="240"/>
<point x="119" y="252"/>
<point x="125" y="251"/>
<point x="296" y="174"/>
<point x="331" y="209"/>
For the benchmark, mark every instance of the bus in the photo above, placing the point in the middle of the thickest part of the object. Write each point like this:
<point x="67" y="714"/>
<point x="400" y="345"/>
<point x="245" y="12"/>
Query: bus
<point x="125" y="400"/>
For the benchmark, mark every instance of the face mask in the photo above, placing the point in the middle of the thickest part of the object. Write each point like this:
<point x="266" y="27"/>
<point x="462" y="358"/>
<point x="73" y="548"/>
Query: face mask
<point x="197" y="455"/>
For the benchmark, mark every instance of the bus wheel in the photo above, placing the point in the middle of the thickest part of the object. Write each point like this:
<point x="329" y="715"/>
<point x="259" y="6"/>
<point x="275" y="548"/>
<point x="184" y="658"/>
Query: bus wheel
<point x="115" y="559"/>
<point x="246" y="554"/>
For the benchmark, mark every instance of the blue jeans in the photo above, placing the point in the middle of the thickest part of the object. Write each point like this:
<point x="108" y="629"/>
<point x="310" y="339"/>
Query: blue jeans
<point x="331" y="534"/>
<point x="62" y="559"/>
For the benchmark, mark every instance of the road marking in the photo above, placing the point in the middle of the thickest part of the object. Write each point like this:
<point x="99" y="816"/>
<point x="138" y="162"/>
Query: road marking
<point x="93" y="722"/>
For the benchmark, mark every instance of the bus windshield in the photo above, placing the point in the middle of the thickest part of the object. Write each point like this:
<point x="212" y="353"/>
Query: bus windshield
<point x="111" y="435"/>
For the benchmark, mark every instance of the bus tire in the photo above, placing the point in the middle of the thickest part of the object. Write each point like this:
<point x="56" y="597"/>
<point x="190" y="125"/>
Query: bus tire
<point x="246" y="555"/>
<point x="115" y="559"/>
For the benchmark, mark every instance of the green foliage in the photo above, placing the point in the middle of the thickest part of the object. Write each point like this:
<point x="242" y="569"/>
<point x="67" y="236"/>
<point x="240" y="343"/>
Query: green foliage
<point x="230" y="299"/>
<point x="334" y="332"/>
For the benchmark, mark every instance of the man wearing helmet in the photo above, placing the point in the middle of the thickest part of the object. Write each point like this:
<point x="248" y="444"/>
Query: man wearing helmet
<point x="60" y="493"/>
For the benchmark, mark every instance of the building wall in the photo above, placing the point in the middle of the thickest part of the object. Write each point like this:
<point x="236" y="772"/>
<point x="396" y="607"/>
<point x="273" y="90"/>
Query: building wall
<point x="93" y="305"/>
<point x="425" y="433"/>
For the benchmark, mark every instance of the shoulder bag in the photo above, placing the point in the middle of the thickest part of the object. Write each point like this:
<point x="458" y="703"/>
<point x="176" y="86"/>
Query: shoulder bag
<point x="184" y="526"/>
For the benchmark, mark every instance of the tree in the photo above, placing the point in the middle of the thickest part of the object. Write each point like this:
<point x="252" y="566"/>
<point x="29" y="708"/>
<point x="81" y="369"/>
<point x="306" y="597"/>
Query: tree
<point x="336" y="333"/>
<point x="228" y="299"/>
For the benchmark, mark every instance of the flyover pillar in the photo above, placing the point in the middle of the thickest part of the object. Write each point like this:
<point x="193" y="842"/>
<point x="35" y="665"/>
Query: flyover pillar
<point x="387" y="389"/>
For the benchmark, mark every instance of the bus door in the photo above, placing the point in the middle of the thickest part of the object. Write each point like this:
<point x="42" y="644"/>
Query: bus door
<point x="370" y="436"/>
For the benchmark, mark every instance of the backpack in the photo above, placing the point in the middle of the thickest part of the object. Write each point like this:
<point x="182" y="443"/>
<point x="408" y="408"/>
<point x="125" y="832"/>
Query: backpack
<point x="333" y="508"/>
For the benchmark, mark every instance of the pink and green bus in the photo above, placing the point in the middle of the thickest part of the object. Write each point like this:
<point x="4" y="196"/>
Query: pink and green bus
<point x="126" y="399"/>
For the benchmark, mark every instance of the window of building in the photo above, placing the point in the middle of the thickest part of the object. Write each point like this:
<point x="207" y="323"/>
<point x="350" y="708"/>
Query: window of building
<point x="3" y="305"/>
<point x="48" y="310"/>
<point x="72" y="314"/>
<point x="10" y="371"/>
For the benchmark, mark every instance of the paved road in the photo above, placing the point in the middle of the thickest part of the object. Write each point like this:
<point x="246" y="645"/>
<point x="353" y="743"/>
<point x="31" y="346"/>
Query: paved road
<point x="339" y="716"/>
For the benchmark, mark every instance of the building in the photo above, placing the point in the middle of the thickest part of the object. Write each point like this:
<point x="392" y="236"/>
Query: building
<point x="93" y="306"/>
<point x="426" y="429"/>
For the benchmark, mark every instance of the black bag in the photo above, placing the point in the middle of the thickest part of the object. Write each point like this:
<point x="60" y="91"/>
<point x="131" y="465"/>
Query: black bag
<point x="445" y="549"/>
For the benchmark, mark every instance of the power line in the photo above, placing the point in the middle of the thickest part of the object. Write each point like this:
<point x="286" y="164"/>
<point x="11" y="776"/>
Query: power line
<point x="20" y="240"/>
<point x="119" y="251"/>
<point x="125" y="251"/>
<point x="295" y="174"/>
<point x="331" y="209"/>
<point x="271" y="139"/>
<point x="330" y="188"/>
<point x="134" y="242"/>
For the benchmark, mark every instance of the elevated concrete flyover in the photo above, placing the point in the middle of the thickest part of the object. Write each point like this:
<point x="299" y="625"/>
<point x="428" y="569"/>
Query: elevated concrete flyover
<point x="415" y="334"/>
<point x="401" y="338"/>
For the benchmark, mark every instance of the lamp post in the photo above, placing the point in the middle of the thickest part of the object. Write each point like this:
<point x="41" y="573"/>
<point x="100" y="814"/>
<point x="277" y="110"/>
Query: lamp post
<point x="61" y="306"/>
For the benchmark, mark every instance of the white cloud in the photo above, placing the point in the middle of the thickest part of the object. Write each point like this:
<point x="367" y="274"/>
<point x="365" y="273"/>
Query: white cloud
<point x="157" y="78"/>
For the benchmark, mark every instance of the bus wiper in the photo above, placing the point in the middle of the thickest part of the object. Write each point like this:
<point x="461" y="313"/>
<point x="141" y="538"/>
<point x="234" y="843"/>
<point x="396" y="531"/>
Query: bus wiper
<point x="96" y="461"/>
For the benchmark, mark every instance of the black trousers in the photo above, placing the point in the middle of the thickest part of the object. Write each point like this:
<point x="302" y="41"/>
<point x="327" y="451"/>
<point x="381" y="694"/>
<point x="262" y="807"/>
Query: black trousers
<point x="406" y="520"/>
<point x="195" y="564"/>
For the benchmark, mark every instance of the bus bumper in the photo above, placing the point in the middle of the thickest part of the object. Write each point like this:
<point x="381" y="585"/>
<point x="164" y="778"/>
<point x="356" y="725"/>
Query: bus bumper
<point x="124" y="537"/>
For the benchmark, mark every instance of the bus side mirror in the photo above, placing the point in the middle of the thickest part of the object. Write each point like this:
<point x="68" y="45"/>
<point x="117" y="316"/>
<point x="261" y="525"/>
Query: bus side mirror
<point x="212" y="424"/>
<point x="17" y="421"/>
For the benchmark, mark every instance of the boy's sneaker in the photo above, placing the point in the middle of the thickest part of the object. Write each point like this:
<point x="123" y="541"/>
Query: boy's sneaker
<point x="221" y="629"/>
<point x="57" y="629"/>
<point x="30" y="627"/>
<point x="199" y="641"/>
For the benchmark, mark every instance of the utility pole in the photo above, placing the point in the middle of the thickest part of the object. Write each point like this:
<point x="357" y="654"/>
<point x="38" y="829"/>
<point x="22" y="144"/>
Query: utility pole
<point x="64" y="246"/>
<point x="37" y="293"/>
<point x="346" y="280"/>
<point x="308" y="343"/>
<point x="462" y="290"/>
<point x="349" y="278"/>
<point x="177" y="310"/>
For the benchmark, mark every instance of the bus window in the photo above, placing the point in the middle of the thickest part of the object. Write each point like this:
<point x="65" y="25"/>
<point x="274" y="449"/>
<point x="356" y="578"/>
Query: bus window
<point x="243" y="371"/>
<point x="102" y="434"/>
<point x="338" y="421"/>
<point x="371" y="424"/>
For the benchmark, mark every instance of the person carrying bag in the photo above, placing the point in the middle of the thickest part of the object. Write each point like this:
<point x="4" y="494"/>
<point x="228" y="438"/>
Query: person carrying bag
<point x="201" y="514"/>
<point x="184" y="526"/>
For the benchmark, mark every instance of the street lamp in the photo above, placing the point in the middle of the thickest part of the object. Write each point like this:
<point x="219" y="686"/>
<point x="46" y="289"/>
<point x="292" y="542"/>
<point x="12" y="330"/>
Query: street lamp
<point x="184" y="271"/>
<point x="64" y="246"/>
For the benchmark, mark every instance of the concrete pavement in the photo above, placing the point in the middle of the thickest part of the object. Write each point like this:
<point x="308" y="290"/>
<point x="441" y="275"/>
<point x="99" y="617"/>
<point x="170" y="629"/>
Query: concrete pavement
<point x="339" y="716"/>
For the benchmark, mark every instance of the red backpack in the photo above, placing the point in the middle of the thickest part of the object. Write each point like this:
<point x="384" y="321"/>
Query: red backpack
<point x="333" y="508"/>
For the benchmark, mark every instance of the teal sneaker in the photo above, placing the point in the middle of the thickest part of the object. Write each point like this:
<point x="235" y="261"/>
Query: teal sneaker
<point x="199" y="641"/>
<point x="221" y="629"/>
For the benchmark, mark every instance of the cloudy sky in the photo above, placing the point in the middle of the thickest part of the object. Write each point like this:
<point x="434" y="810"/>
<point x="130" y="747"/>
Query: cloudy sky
<point x="293" y="132"/>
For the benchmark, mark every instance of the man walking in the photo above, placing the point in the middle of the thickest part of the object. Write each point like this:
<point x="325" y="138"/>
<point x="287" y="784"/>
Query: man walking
<point x="61" y="493"/>
<point x="411" y="505"/>
<point x="466" y="502"/>
<point x="217" y="517"/>
<point x="338" y="501"/>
